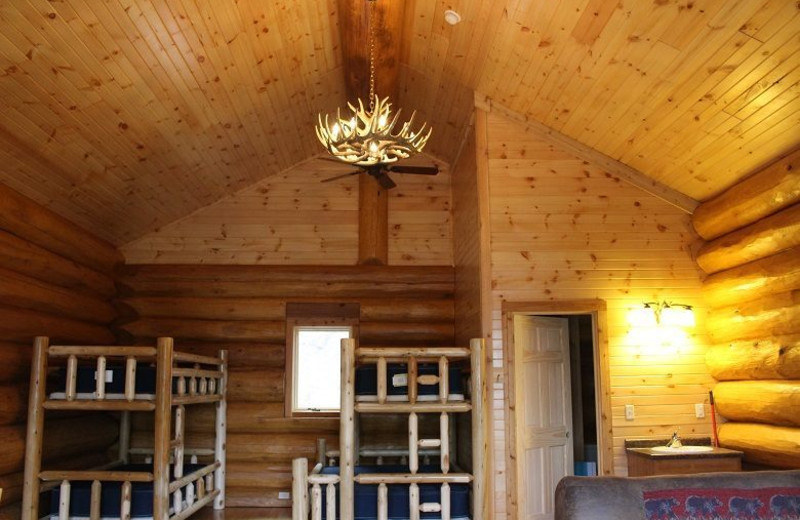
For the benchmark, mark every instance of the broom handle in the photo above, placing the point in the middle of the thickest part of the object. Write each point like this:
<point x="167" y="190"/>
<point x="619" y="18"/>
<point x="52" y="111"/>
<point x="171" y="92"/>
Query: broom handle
<point x="713" y="418"/>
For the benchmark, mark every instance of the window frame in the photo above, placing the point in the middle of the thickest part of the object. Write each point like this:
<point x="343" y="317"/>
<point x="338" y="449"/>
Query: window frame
<point x="312" y="315"/>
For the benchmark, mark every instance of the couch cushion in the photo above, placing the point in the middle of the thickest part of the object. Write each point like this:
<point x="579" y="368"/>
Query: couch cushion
<point x="748" y="504"/>
<point x="615" y="498"/>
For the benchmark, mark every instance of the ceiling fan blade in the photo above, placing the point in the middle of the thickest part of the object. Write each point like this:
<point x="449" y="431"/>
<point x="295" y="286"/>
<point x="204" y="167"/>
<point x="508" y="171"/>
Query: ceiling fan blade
<point x="385" y="182"/>
<point x="342" y="176"/>
<point x="331" y="159"/>
<point x="416" y="170"/>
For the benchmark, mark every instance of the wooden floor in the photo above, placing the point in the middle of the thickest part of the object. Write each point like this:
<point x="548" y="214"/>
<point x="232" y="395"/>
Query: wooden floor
<point x="241" y="513"/>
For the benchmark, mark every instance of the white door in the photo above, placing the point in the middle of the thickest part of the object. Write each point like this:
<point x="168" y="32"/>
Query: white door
<point x="544" y="412"/>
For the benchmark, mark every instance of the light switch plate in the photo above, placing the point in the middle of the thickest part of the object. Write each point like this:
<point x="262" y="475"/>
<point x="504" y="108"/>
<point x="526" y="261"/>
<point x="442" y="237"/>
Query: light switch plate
<point x="284" y="495"/>
<point x="629" y="414"/>
<point x="699" y="410"/>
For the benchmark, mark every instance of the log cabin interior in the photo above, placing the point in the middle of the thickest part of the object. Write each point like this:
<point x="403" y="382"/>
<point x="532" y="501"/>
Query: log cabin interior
<point x="598" y="162"/>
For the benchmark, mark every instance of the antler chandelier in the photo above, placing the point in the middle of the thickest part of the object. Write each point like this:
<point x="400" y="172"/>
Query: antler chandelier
<point x="368" y="135"/>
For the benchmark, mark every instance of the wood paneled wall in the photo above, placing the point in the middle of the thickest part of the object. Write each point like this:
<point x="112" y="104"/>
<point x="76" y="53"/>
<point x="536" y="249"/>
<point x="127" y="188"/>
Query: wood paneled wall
<point x="753" y="260"/>
<point x="562" y="229"/>
<point x="467" y="250"/>
<point x="243" y="309"/>
<point x="55" y="280"/>
<point x="293" y="218"/>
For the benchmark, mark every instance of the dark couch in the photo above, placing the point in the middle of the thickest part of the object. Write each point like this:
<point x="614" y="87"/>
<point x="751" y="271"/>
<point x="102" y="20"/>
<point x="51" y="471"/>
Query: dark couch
<point x="775" y="493"/>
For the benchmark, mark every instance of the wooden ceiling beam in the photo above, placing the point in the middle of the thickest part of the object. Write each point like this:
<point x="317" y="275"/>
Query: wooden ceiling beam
<point x="354" y="20"/>
<point x="354" y="28"/>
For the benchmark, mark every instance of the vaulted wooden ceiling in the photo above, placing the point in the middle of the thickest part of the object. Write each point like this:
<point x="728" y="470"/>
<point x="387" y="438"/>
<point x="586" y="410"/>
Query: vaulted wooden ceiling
<point x="124" y="115"/>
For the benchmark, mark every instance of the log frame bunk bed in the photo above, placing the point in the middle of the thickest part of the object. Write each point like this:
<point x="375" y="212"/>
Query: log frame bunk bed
<point x="307" y="488"/>
<point x="181" y="379"/>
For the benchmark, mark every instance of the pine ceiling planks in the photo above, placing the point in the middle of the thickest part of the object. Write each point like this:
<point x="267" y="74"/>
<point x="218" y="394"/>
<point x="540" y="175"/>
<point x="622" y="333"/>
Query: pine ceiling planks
<point x="695" y="94"/>
<point x="125" y="115"/>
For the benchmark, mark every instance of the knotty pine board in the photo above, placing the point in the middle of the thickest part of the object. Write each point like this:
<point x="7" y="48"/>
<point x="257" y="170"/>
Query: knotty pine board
<point x="295" y="219"/>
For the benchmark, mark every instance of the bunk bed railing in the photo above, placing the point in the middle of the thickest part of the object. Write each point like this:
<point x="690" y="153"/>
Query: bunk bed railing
<point x="304" y="502"/>
<point x="197" y="379"/>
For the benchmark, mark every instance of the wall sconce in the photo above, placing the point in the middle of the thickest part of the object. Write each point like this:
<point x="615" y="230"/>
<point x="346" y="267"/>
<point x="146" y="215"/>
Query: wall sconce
<point x="663" y="313"/>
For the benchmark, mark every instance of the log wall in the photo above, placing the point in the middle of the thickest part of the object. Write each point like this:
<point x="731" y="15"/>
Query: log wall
<point x="55" y="280"/>
<point x="563" y="229"/>
<point x="243" y="309"/>
<point x="752" y="257"/>
<point x="294" y="218"/>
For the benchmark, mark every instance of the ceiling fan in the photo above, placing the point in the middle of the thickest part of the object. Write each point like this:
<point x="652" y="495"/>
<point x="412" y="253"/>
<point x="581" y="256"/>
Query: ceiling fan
<point x="381" y="172"/>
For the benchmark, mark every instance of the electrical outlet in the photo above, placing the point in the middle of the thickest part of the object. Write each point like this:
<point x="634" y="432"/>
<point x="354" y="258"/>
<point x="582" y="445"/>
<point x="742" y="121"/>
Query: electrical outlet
<point x="629" y="414"/>
<point x="699" y="410"/>
<point x="284" y="495"/>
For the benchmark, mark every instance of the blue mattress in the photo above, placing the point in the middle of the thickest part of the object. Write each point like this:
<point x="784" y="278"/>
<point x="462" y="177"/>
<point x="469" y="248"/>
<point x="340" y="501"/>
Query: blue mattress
<point x="141" y="496"/>
<point x="366" y="496"/>
<point x="366" y="383"/>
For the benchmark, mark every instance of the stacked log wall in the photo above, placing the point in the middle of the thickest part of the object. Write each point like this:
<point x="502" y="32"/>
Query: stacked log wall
<point x="752" y="257"/>
<point x="56" y="280"/>
<point x="243" y="309"/>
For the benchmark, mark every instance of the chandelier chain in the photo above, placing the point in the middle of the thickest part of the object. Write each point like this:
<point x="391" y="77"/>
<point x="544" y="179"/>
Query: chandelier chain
<point x="371" y="55"/>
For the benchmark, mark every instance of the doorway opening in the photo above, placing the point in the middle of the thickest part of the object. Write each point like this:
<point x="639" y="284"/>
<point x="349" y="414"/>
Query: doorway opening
<point x="557" y="401"/>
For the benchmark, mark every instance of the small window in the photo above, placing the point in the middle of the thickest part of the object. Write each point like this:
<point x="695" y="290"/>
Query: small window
<point x="314" y="333"/>
<point x="317" y="367"/>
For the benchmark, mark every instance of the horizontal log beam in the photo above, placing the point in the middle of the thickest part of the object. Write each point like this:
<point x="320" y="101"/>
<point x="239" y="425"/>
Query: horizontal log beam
<point x="774" y="274"/>
<point x="295" y="290"/>
<point x="23" y="257"/>
<point x="244" y="497"/>
<point x="210" y="274"/>
<point x="775" y="446"/>
<point x="23" y="292"/>
<point x="255" y="385"/>
<point x="387" y="333"/>
<point x="63" y="438"/>
<point x="768" y="402"/>
<point x="730" y="325"/>
<point x="766" y="192"/>
<point x="12" y="483"/>
<point x="214" y="308"/>
<point x="207" y="330"/>
<point x="13" y="404"/>
<point x="21" y="325"/>
<point x="255" y="475"/>
<point x="240" y="354"/>
<point x="15" y="362"/>
<point x="249" y="417"/>
<point x="758" y="240"/>
<point x="774" y="358"/>
<point x="27" y="219"/>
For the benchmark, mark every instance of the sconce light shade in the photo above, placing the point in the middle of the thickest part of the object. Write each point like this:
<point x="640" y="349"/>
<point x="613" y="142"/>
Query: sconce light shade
<point x="662" y="313"/>
<point x="643" y="317"/>
<point x="677" y="315"/>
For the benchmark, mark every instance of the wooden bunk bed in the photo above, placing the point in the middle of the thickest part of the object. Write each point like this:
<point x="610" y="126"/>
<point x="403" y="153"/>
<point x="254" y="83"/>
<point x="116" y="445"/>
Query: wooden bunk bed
<point x="307" y="488"/>
<point x="177" y="380"/>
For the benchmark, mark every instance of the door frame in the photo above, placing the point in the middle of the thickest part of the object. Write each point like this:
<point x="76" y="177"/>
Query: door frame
<point x="597" y="310"/>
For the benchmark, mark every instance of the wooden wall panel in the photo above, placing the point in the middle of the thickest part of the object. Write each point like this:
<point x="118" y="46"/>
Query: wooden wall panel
<point x="55" y="280"/>
<point x="293" y="218"/>
<point x="243" y="309"/>
<point x="467" y="249"/>
<point x="562" y="229"/>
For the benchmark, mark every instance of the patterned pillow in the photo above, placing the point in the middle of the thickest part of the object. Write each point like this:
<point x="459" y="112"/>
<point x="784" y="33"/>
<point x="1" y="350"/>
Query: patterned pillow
<point x="723" y="504"/>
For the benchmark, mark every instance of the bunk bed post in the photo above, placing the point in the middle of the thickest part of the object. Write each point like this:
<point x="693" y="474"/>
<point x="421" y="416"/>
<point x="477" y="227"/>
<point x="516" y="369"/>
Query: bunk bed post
<point x="163" y="418"/>
<point x="125" y="437"/>
<point x="477" y="369"/>
<point x="221" y="422"/>
<point x="347" y="430"/>
<point x="299" y="489"/>
<point x="33" y="439"/>
<point x="322" y="448"/>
